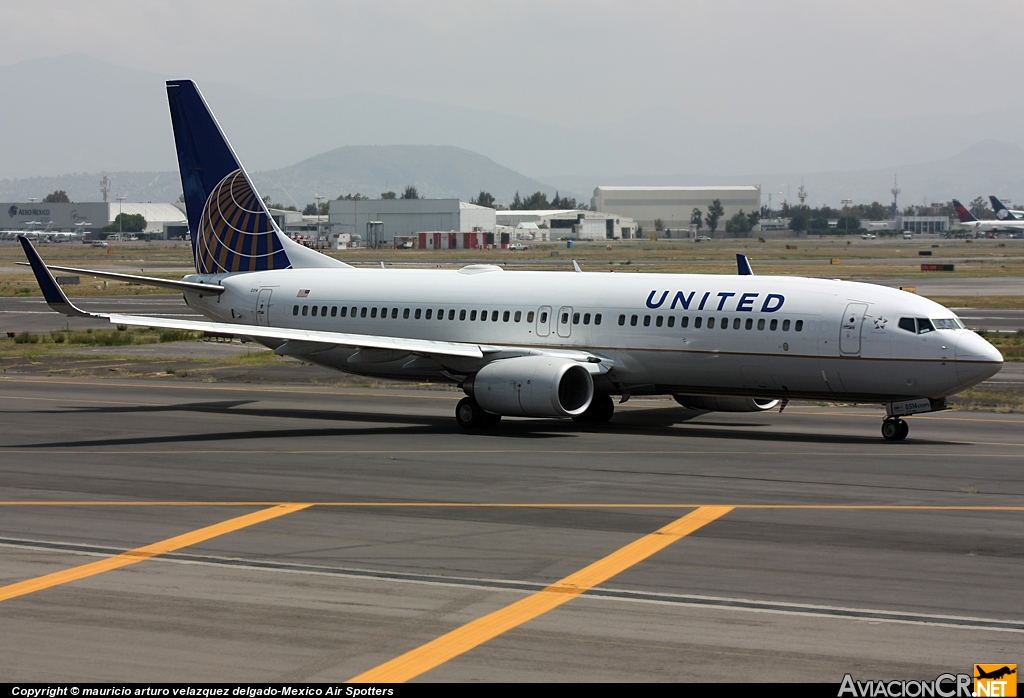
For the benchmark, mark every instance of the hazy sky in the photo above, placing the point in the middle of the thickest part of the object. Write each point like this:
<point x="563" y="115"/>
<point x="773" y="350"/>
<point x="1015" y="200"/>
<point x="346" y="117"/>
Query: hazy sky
<point x="566" y="62"/>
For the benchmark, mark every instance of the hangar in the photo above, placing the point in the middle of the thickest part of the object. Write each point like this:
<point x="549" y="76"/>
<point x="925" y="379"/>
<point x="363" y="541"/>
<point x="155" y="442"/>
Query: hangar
<point x="674" y="205"/>
<point x="408" y="217"/>
<point x="163" y="221"/>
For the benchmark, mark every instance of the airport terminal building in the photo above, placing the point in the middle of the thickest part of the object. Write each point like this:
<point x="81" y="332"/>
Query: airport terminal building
<point x="673" y="205"/>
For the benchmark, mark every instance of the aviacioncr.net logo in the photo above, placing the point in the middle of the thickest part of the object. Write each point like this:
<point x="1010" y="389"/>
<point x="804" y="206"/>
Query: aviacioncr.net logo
<point x="943" y="686"/>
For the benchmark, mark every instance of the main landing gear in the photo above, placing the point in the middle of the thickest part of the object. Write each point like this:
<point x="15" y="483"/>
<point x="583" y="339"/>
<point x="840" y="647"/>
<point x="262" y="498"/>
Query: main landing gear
<point x="470" y="415"/>
<point x="895" y="429"/>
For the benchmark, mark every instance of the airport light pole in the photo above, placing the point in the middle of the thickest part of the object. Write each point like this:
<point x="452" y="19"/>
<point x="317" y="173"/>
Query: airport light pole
<point x="846" y="208"/>
<point x="318" y="199"/>
<point x="120" y="220"/>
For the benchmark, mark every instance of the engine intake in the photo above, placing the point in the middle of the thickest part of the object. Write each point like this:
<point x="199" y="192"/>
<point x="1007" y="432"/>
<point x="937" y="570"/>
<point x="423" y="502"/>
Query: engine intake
<point x="713" y="403"/>
<point x="532" y="386"/>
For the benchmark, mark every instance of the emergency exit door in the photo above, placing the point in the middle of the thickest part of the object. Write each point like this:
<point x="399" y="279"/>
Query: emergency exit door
<point x="849" y="329"/>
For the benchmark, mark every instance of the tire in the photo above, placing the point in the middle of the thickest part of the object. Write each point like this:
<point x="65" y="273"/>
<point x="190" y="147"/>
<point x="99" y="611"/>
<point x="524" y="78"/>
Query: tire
<point x="891" y="430"/>
<point x="902" y="430"/>
<point x="470" y="415"/>
<point x="600" y="410"/>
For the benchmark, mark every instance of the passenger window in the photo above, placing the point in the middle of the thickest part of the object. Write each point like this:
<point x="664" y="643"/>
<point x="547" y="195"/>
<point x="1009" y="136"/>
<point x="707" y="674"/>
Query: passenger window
<point x="785" y="325"/>
<point x="472" y="315"/>
<point x="696" y="322"/>
<point x="518" y="316"/>
<point x="344" y="311"/>
<point x="799" y="326"/>
<point x="362" y="312"/>
<point x="504" y="316"/>
<point x="440" y="313"/>
<point x="494" y="316"/>
<point x="430" y="313"/>
<point x="622" y="319"/>
<point x="405" y="314"/>
<point x="565" y="318"/>
<point x="711" y="323"/>
<point x="658" y="320"/>
<point x="597" y="319"/>
<point x="373" y="312"/>
<point x="543" y="318"/>
<point x="684" y="321"/>
<point x="323" y="311"/>
<point x="575" y="318"/>
<point x="418" y="313"/>
<point x="760" y="324"/>
<point x="632" y="321"/>
<point x="529" y="316"/>
<point x="314" y="310"/>
<point x="774" y="325"/>
<point x="647" y="320"/>
<point x="295" y="310"/>
<point x="334" y="311"/>
<point x="354" y="311"/>
<point x="671" y="320"/>
<point x="305" y="311"/>
<point x="736" y="323"/>
<point x="462" y="314"/>
<point x="394" y="313"/>
<point x="451" y="314"/>
<point x="749" y="324"/>
<point x="924" y="325"/>
<point x="586" y="318"/>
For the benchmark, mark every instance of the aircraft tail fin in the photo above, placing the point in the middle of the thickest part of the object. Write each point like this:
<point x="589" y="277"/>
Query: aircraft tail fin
<point x="743" y="265"/>
<point x="963" y="213"/>
<point x="232" y="230"/>
<point x="1003" y="213"/>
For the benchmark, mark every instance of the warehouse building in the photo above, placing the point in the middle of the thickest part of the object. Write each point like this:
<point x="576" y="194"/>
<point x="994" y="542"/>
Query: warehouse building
<point x="163" y="221"/>
<point x="572" y="224"/>
<point x="674" y="205"/>
<point x="407" y="217"/>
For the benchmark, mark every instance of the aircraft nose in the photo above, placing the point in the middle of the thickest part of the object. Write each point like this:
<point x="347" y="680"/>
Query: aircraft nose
<point x="976" y="359"/>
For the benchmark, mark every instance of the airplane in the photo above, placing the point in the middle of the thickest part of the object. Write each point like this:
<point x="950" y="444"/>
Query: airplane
<point x="543" y="343"/>
<point x="968" y="220"/>
<point x="1003" y="213"/>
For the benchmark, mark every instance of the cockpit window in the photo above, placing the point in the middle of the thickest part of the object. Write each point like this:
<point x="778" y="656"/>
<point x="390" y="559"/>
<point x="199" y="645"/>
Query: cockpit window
<point x="947" y="323"/>
<point x="908" y="324"/>
<point x="924" y="325"/>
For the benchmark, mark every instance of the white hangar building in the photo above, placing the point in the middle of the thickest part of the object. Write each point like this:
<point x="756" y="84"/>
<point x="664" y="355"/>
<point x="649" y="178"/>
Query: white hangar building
<point x="674" y="205"/>
<point x="407" y="217"/>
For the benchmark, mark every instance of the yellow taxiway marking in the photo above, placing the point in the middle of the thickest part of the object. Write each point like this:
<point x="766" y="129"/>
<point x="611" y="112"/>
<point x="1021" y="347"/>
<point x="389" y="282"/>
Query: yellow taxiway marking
<point x="130" y="557"/>
<point x="448" y="646"/>
<point x="521" y="505"/>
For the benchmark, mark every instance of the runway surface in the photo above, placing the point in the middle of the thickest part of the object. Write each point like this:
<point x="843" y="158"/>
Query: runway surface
<point x="160" y="530"/>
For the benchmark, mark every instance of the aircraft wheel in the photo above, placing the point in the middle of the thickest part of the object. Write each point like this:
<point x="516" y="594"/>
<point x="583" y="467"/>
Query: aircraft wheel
<point x="903" y="430"/>
<point x="470" y="415"/>
<point x="601" y="409"/>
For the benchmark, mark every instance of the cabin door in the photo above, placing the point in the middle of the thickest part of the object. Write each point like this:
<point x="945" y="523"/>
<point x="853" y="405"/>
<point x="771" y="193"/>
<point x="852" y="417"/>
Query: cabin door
<point x="849" y="329"/>
<point x="263" y="307"/>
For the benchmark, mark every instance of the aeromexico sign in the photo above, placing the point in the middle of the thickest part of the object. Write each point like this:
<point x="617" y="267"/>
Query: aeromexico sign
<point x="732" y="302"/>
<point x="15" y="211"/>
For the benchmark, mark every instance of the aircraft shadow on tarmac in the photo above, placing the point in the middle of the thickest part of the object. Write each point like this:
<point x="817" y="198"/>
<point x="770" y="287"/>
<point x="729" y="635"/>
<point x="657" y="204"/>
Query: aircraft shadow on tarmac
<point x="660" y="421"/>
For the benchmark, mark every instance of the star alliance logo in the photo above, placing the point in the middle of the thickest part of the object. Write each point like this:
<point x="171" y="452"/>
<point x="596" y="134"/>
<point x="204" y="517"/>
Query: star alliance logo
<point x="12" y="211"/>
<point x="880" y="323"/>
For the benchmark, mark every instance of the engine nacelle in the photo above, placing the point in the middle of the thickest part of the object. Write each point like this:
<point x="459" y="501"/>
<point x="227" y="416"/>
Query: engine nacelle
<point x="712" y="403"/>
<point x="532" y="386"/>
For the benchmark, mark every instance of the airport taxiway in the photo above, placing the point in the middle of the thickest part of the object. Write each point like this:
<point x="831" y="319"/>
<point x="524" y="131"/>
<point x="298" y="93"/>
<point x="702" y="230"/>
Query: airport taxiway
<point x="164" y="530"/>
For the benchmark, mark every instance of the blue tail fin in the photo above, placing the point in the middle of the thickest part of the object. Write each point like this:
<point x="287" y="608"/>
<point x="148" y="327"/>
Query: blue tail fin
<point x="1003" y="213"/>
<point x="231" y="228"/>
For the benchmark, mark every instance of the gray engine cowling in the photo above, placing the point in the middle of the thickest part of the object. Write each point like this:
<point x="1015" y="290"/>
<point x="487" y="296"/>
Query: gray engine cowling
<point x="713" y="403"/>
<point x="532" y="386"/>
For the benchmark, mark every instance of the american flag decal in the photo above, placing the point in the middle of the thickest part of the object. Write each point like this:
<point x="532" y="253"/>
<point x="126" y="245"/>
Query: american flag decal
<point x="303" y="293"/>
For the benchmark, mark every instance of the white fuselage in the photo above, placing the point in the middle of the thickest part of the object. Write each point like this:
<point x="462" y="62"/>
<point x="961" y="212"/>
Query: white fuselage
<point x="761" y="336"/>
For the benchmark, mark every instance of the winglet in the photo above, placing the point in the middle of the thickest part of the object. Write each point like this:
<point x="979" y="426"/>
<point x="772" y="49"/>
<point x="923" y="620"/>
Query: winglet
<point x="743" y="265"/>
<point x="576" y="267"/>
<point x="52" y="292"/>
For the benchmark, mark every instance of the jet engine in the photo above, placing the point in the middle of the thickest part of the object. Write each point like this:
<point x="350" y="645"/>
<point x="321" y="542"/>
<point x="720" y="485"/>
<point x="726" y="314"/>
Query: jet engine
<point x="713" y="403"/>
<point x="532" y="386"/>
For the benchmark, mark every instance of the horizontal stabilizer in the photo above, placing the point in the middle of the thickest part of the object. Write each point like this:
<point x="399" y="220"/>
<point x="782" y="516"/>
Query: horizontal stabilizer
<point x="52" y="292"/>
<point x="213" y="289"/>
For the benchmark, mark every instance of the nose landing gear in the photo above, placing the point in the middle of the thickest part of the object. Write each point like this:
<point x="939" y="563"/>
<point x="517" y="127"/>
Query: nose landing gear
<point x="895" y="429"/>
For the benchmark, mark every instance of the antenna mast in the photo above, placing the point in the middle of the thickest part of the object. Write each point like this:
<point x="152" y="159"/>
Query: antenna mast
<point x="104" y="187"/>
<point x="895" y="193"/>
<point x="801" y="194"/>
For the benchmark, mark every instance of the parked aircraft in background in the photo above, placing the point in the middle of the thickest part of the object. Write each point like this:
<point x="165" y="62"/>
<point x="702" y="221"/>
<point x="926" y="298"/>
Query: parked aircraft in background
<point x="968" y="220"/>
<point x="1003" y="213"/>
<point x="546" y="344"/>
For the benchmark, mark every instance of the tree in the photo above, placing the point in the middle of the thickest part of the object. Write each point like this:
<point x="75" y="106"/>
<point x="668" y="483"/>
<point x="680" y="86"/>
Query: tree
<point x="849" y="222"/>
<point x="979" y="207"/>
<point x="564" y="203"/>
<point x="697" y="219"/>
<point x="388" y="195"/>
<point x="410" y="193"/>
<point x="484" y="199"/>
<point x="517" y="203"/>
<point x="739" y="223"/>
<point x="715" y="213"/>
<point x="659" y="225"/>
<point x="352" y="197"/>
<point x="538" y="200"/>
<point x="314" y="210"/>
<point x="799" y="217"/>
<point x="126" y="223"/>
<point x="58" y="197"/>
<point x="754" y="217"/>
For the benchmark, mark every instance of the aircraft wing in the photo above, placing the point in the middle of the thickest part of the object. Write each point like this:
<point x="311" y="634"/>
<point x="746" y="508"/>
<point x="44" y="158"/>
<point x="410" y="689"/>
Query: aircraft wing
<point x="56" y="299"/>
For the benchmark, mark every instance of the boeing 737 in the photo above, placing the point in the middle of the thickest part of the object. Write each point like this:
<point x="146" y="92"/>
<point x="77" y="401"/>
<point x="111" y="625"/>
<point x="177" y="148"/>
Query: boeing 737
<point x="1004" y="224"/>
<point x="546" y="344"/>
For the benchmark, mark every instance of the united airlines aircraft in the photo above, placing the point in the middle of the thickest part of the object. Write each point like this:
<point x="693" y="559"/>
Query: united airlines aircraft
<point x="546" y="344"/>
